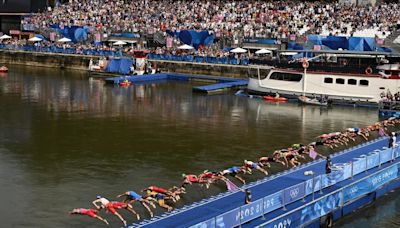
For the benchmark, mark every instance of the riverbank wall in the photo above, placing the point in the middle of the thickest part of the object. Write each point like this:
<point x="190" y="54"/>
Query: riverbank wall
<point x="81" y="62"/>
<point x="224" y="70"/>
<point x="45" y="59"/>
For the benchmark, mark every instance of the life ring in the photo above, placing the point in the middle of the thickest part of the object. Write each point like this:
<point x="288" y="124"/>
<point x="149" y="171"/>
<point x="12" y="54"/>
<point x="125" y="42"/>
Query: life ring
<point x="368" y="71"/>
<point x="305" y="63"/>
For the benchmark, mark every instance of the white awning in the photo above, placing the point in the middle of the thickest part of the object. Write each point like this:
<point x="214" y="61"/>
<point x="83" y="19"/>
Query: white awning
<point x="185" y="47"/>
<point x="35" y="39"/>
<point x="5" y="36"/>
<point x="64" y="40"/>
<point x="264" y="51"/>
<point x="119" y="43"/>
<point x="238" y="50"/>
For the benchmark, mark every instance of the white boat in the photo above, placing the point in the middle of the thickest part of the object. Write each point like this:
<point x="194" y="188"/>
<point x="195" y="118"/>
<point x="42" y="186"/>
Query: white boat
<point x="339" y="80"/>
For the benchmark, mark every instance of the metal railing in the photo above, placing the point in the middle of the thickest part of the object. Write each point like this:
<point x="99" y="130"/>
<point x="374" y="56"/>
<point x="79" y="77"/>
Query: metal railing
<point x="301" y="190"/>
<point x="269" y="201"/>
<point x="343" y="202"/>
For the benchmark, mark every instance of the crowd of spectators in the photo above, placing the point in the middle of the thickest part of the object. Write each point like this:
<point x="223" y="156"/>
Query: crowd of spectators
<point x="253" y="18"/>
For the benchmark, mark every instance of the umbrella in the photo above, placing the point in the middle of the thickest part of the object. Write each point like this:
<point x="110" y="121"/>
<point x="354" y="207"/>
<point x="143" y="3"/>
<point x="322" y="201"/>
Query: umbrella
<point x="238" y="50"/>
<point x="64" y="40"/>
<point x="3" y="37"/>
<point x="263" y="51"/>
<point x="185" y="47"/>
<point x="35" y="39"/>
<point x="119" y="43"/>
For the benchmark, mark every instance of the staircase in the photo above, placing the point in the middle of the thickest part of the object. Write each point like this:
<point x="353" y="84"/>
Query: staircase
<point x="389" y="41"/>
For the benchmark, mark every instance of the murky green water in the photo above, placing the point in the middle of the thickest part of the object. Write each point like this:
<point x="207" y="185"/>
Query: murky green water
<point x="65" y="139"/>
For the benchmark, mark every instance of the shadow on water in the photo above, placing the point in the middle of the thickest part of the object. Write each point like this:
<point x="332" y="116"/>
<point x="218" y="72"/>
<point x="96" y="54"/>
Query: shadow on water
<point x="65" y="139"/>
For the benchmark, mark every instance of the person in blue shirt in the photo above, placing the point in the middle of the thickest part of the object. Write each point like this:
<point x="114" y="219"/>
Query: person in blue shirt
<point x="132" y="196"/>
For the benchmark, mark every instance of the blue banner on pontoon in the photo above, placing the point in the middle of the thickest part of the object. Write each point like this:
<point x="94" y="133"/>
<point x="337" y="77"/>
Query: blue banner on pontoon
<point x="370" y="184"/>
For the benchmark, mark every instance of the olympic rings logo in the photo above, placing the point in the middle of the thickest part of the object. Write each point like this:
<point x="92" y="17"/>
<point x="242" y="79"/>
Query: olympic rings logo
<point x="294" y="192"/>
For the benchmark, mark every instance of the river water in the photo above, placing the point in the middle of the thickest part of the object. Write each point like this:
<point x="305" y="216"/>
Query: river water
<point x="65" y="138"/>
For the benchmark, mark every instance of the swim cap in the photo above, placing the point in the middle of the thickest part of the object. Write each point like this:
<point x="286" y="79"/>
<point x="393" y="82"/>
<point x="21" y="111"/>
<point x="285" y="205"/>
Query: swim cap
<point x="393" y="133"/>
<point x="98" y="197"/>
<point x="183" y="175"/>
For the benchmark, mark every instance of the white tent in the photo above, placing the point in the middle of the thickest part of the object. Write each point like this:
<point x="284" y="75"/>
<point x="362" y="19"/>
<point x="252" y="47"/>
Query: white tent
<point x="185" y="47"/>
<point x="35" y="39"/>
<point x="64" y="40"/>
<point x="119" y="43"/>
<point x="289" y="53"/>
<point x="5" y="36"/>
<point x="238" y="50"/>
<point x="264" y="51"/>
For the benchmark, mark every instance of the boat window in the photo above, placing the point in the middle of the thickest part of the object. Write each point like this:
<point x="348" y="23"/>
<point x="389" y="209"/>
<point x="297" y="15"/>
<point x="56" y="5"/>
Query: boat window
<point x="352" y="82"/>
<point x="253" y="73"/>
<point x="364" y="82"/>
<point x="339" y="81"/>
<point x="328" y="80"/>
<point x="286" y="76"/>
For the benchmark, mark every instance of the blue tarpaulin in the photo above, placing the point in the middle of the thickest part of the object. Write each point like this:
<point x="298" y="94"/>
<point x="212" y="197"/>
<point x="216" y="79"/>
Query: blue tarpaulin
<point x="75" y="33"/>
<point x="126" y="35"/>
<point x="122" y="66"/>
<point x="294" y="46"/>
<point x="193" y="37"/>
<point x="351" y="43"/>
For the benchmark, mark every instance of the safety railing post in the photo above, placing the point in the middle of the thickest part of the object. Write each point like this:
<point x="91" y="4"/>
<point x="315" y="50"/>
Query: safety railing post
<point x="351" y="169"/>
<point x="262" y="207"/>
<point x="342" y="197"/>
<point x="240" y="216"/>
<point x="283" y="200"/>
<point x="320" y="185"/>
<point x="379" y="159"/>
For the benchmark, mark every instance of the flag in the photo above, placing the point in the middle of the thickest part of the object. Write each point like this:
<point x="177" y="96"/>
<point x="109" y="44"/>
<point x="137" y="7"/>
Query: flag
<point x="169" y="42"/>
<point x="52" y="36"/>
<point x="313" y="154"/>
<point x="231" y="186"/>
<point x="97" y="37"/>
<point x="380" y="41"/>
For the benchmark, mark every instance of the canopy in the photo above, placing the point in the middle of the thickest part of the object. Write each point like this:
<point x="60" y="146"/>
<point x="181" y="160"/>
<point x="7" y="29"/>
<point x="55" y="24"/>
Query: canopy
<point x="395" y="66"/>
<point x="5" y="36"/>
<point x="35" y="39"/>
<point x="64" y="40"/>
<point x="264" y="51"/>
<point x="185" y="47"/>
<point x="238" y="50"/>
<point x="289" y="53"/>
<point x="119" y="43"/>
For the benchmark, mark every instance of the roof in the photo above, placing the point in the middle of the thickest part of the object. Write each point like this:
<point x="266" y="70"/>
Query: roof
<point x="344" y="52"/>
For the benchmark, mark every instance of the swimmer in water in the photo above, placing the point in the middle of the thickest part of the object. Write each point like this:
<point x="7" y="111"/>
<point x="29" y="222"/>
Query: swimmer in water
<point x="113" y="206"/>
<point x="158" y="198"/>
<point x="233" y="172"/>
<point x="208" y="177"/>
<point x="266" y="161"/>
<point x="131" y="197"/>
<point x="89" y="212"/>
<point x="249" y="166"/>
<point x="162" y="191"/>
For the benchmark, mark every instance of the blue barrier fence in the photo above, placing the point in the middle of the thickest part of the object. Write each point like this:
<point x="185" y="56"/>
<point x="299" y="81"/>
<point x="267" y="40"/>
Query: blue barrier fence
<point x="54" y="49"/>
<point x="336" y="199"/>
<point x="324" y="205"/>
<point x="199" y="59"/>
